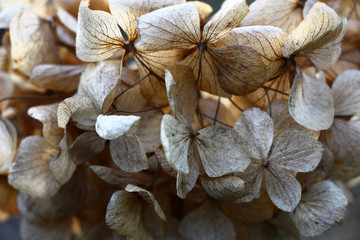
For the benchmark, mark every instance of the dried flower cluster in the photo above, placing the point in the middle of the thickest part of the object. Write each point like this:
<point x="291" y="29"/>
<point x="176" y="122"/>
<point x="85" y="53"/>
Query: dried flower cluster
<point x="148" y="119"/>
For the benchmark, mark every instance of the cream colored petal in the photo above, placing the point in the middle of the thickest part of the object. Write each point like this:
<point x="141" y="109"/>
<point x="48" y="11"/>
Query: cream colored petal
<point x="221" y="151"/>
<point x="321" y="31"/>
<point x="175" y="139"/>
<point x="105" y="76"/>
<point x="322" y="206"/>
<point x="127" y="12"/>
<point x="228" y="188"/>
<point x="67" y="19"/>
<point x="149" y="129"/>
<point x="98" y="35"/>
<point x="186" y="182"/>
<point x="247" y="57"/>
<point x="128" y="153"/>
<point x="182" y="93"/>
<point x="30" y="173"/>
<point x="256" y="128"/>
<point x="7" y="13"/>
<point x="61" y="165"/>
<point x="283" y="189"/>
<point x="207" y="222"/>
<point x="169" y="28"/>
<point x="112" y="126"/>
<point x="343" y="140"/>
<point x="8" y="139"/>
<point x="57" y="77"/>
<point x="86" y="146"/>
<point x="310" y="101"/>
<point x="69" y="106"/>
<point x="297" y="151"/>
<point x="123" y="212"/>
<point x="284" y="122"/>
<point x="32" y="41"/>
<point x="203" y="9"/>
<point x="149" y="197"/>
<point x="229" y="16"/>
<point x="284" y="14"/>
<point x="346" y="92"/>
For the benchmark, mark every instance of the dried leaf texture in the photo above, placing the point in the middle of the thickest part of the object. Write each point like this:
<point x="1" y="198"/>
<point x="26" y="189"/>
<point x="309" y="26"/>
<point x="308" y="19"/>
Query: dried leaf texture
<point x="8" y="139"/>
<point x="322" y="206"/>
<point x="32" y="41"/>
<point x="98" y="35"/>
<point x="111" y="126"/>
<point x="284" y="14"/>
<point x="318" y="37"/>
<point x="203" y="9"/>
<point x="207" y="222"/>
<point x="228" y="188"/>
<point x="247" y="57"/>
<point x="30" y="172"/>
<point x="311" y="102"/>
<point x="185" y="182"/>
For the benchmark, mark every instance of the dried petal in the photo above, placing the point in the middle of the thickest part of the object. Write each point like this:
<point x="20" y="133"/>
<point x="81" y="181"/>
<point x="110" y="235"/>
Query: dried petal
<point x="8" y="139"/>
<point x="112" y="126"/>
<point x="228" y="188"/>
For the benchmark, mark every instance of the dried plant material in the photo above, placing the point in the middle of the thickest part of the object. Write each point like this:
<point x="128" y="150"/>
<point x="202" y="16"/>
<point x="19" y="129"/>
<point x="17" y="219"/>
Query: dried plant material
<point x="284" y="122"/>
<point x="317" y="37"/>
<point x="322" y="206"/>
<point x="207" y="222"/>
<point x="346" y="92"/>
<point x="65" y="36"/>
<point x="7" y="13"/>
<point x="8" y="139"/>
<point x="36" y="209"/>
<point x="112" y="126"/>
<point x="203" y="9"/>
<point x="273" y="163"/>
<point x="98" y="36"/>
<point x="227" y="188"/>
<point x="284" y="14"/>
<point x="57" y="77"/>
<point x="248" y="57"/>
<point x="6" y="87"/>
<point x="182" y="93"/>
<point x="185" y="182"/>
<point x="67" y="19"/>
<point x="149" y="129"/>
<point x="310" y="102"/>
<point x="69" y="106"/>
<point x="104" y="75"/>
<point x="123" y="212"/>
<point x="32" y="41"/>
<point x="128" y="153"/>
<point x="30" y="172"/>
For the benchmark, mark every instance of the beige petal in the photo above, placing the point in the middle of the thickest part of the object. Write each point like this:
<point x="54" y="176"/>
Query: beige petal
<point x="283" y="189"/>
<point x="127" y="12"/>
<point x="322" y="206"/>
<point x="175" y="139"/>
<point x="256" y="128"/>
<point x="221" y="151"/>
<point x="247" y="57"/>
<point x="169" y="28"/>
<point x="30" y="172"/>
<point x="123" y="212"/>
<point x="69" y="106"/>
<point x="128" y="153"/>
<point x="284" y="14"/>
<point x="98" y="36"/>
<point x="203" y="9"/>
<point x="318" y="36"/>
<point x="182" y="93"/>
<point x="346" y="92"/>
<point x="228" y="188"/>
<point x="8" y="140"/>
<point x="186" y="182"/>
<point x="207" y="222"/>
<point x="32" y="41"/>
<point x="59" y="229"/>
<point x="67" y="19"/>
<point x="343" y="140"/>
<point x="284" y="122"/>
<point x="228" y="17"/>
<point x="86" y="146"/>
<point x="310" y="102"/>
<point x="119" y="177"/>
<point x="297" y="151"/>
<point x="105" y="76"/>
<point x="149" y="197"/>
<point x="85" y="116"/>
<point x="149" y="129"/>
<point x="112" y="126"/>
<point x="56" y="77"/>
<point x="65" y="36"/>
<point x="61" y="165"/>
<point x="7" y="13"/>
<point x="253" y="178"/>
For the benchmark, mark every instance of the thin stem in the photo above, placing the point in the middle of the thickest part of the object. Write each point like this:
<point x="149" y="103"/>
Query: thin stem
<point x="136" y="83"/>
<point x="268" y="98"/>
<point x="138" y="111"/>
<point x="202" y="47"/>
<point x="217" y="110"/>
<point x="233" y="103"/>
<point x="275" y="90"/>
<point x="211" y="118"/>
<point x="289" y="62"/>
